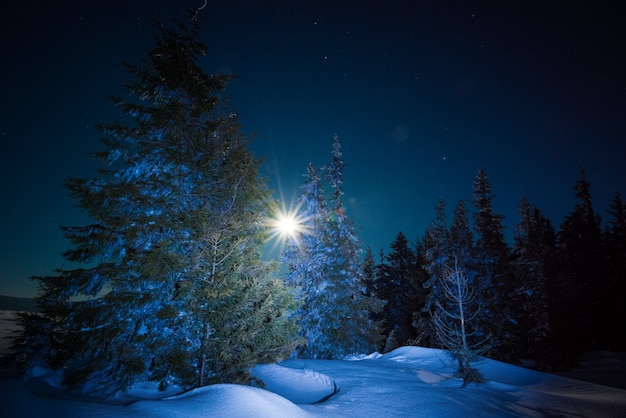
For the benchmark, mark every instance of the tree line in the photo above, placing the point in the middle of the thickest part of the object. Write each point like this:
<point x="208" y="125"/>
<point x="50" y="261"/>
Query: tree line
<point x="544" y="300"/>
<point x="550" y="296"/>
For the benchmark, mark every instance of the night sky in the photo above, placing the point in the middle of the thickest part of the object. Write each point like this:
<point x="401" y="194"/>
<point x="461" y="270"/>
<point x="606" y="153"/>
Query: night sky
<point x="421" y="95"/>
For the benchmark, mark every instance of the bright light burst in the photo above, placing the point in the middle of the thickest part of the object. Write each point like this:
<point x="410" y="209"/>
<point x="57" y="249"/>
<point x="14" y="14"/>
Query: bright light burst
<point x="286" y="226"/>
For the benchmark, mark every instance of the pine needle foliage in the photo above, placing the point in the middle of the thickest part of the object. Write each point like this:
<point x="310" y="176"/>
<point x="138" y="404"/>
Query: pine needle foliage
<point x="335" y="312"/>
<point x="173" y="288"/>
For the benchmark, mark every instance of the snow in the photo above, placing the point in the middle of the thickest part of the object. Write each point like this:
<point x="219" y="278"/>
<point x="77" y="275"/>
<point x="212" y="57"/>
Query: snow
<point x="409" y="381"/>
<point x="7" y="326"/>
<point x="299" y="385"/>
<point x="218" y="401"/>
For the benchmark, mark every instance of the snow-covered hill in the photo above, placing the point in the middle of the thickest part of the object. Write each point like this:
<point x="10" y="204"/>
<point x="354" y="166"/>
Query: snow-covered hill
<point x="408" y="382"/>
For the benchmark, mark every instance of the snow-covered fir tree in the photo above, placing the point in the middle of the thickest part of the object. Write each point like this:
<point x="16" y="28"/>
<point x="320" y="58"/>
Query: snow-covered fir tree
<point x="325" y="265"/>
<point x="173" y="288"/>
<point x="306" y="259"/>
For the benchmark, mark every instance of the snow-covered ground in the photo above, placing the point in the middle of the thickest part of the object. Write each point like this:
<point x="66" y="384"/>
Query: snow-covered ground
<point x="7" y="324"/>
<point x="408" y="382"/>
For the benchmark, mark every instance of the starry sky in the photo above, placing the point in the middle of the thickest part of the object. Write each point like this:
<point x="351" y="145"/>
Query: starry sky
<point x="421" y="94"/>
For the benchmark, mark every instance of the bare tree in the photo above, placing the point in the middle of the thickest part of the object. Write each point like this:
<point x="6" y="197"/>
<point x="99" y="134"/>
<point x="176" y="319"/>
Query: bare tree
<point x="452" y="320"/>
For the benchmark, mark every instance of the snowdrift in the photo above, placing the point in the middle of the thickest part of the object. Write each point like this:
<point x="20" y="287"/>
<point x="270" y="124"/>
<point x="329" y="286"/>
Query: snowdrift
<point x="407" y="382"/>
<point x="303" y="386"/>
<point x="220" y="401"/>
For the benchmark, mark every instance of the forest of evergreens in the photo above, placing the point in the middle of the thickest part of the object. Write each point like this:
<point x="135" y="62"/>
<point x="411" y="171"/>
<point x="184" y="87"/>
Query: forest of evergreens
<point x="553" y="294"/>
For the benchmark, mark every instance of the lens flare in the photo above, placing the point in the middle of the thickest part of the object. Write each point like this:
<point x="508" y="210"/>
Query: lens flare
<point x="286" y="227"/>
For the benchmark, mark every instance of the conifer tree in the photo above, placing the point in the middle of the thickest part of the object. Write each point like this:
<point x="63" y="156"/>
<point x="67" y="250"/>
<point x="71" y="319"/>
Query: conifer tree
<point x="437" y="249"/>
<point x="446" y="245"/>
<point x="174" y="284"/>
<point x="370" y="276"/>
<point x="532" y="263"/>
<point x="436" y="243"/>
<point x="400" y="286"/>
<point x="420" y="310"/>
<point x="583" y="277"/>
<point x="492" y="256"/>
<point x="335" y="312"/>
<point x="614" y="293"/>
<point x="461" y="238"/>
<point x="306" y="258"/>
<point x="355" y="332"/>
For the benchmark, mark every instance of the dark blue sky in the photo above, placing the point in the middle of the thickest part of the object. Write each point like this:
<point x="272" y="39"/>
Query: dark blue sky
<point x="421" y="95"/>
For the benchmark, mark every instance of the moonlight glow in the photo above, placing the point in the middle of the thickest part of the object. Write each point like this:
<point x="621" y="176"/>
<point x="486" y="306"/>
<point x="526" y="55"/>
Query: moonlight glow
<point x="286" y="226"/>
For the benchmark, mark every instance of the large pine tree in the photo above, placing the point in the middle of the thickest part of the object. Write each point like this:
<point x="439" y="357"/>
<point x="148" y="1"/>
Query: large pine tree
<point x="173" y="287"/>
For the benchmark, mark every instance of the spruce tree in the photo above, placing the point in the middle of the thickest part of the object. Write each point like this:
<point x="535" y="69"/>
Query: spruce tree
<point x="533" y="258"/>
<point x="614" y="293"/>
<point x="400" y="286"/>
<point x="354" y="331"/>
<point x="461" y="238"/>
<point x="173" y="288"/>
<point x="436" y="248"/>
<point x="582" y="273"/>
<point x="436" y="243"/>
<point x="325" y="265"/>
<point x="420" y="310"/>
<point x="446" y="245"/>
<point x="306" y="258"/>
<point x="493" y="278"/>
<point x="370" y="277"/>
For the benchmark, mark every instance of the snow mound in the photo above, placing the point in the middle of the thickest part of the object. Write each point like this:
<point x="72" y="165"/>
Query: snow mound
<point x="301" y="386"/>
<point x="222" y="400"/>
<point x="414" y="354"/>
<point x="407" y="382"/>
<point x="43" y="381"/>
<point x="356" y="357"/>
<point x="144" y="391"/>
